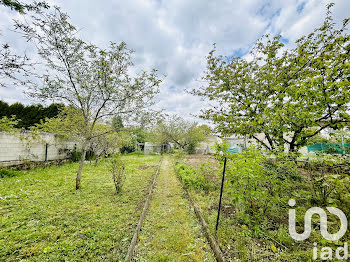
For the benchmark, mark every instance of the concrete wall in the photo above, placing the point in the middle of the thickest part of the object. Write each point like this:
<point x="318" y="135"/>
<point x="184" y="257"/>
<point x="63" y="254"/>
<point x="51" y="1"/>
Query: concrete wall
<point x="208" y="145"/>
<point x="19" y="147"/>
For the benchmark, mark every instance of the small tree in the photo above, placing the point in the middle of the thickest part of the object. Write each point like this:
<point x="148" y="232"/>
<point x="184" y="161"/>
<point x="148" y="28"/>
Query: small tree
<point x="93" y="81"/>
<point x="117" y="169"/>
<point x="289" y="96"/>
<point x="184" y="134"/>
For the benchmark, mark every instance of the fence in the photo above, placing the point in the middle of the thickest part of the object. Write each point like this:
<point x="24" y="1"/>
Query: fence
<point x="17" y="148"/>
<point x="329" y="148"/>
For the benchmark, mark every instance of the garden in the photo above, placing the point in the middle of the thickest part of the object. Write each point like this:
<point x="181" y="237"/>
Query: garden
<point x="100" y="172"/>
<point x="254" y="217"/>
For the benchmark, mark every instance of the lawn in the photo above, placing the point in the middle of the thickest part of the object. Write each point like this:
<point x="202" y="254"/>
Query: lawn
<point x="171" y="231"/>
<point x="43" y="217"/>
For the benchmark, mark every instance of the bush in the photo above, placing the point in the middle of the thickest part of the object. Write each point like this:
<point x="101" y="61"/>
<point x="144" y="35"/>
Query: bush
<point x="191" y="177"/>
<point x="8" y="173"/>
<point x="191" y="148"/>
<point x="75" y="155"/>
<point x="117" y="170"/>
<point x="330" y="176"/>
<point x="257" y="186"/>
<point x="178" y="153"/>
<point x="127" y="149"/>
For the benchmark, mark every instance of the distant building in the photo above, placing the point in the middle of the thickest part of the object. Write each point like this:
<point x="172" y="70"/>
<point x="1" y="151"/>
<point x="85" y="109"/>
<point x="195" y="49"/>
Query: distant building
<point x="150" y="148"/>
<point x="208" y="145"/>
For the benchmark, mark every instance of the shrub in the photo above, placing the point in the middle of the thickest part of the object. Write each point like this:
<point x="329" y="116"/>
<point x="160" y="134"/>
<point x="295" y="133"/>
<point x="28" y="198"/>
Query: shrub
<point x="75" y="156"/>
<point x="257" y="186"/>
<point x="178" y="153"/>
<point x="191" y="148"/>
<point x="191" y="177"/>
<point x="329" y="176"/>
<point x="117" y="170"/>
<point x="8" y="173"/>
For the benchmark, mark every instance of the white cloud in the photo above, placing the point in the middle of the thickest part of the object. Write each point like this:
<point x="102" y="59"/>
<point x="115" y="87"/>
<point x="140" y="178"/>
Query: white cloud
<point x="175" y="36"/>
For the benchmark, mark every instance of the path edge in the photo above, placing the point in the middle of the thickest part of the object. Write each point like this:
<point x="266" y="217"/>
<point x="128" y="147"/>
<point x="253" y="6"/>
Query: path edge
<point x="210" y="237"/>
<point x="142" y="218"/>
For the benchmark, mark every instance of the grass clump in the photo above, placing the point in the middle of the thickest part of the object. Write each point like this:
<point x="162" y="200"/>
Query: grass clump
<point x="8" y="173"/>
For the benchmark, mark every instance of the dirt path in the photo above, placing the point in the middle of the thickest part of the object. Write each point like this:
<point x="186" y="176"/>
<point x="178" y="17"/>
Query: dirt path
<point x="171" y="231"/>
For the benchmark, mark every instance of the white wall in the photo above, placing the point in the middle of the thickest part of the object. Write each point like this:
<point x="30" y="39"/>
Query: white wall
<point x="208" y="145"/>
<point x="18" y="147"/>
<point x="152" y="148"/>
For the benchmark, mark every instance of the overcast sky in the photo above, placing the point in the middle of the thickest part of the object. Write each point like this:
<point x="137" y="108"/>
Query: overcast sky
<point x="175" y="36"/>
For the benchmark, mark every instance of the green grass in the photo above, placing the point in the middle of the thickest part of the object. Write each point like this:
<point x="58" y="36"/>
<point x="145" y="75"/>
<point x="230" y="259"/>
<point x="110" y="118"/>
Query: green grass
<point x="43" y="218"/>
<point x="171" y="231"/>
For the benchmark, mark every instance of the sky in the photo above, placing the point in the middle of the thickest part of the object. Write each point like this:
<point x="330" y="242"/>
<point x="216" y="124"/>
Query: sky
<point x="175" y="36"/>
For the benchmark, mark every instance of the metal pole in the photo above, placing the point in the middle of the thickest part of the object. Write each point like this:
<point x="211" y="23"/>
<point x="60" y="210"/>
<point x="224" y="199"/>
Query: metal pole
<point x="46" y="152"/>
<point x="222" y="189"/>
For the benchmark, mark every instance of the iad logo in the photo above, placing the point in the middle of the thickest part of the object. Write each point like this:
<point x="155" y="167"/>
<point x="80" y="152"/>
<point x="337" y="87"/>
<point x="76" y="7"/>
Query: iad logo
<point x="326" y="252"/>
<point x="323" y="226"/>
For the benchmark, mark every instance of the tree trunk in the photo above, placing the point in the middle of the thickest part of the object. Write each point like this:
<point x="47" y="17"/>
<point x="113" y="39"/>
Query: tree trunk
<point x="292" y="147"/>
<point x="96" y="160"/>
<point x="81" y="164"/>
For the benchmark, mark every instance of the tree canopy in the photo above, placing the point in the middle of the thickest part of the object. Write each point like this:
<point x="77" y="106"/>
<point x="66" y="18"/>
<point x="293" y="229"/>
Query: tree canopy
<point x="96" y="82"/>
<point x="30" y="115"/>
<point x="23" y="7"/>
<point x="14" y="67"/>
<point x="184" y="134"/>
<point x="289" y="95"/>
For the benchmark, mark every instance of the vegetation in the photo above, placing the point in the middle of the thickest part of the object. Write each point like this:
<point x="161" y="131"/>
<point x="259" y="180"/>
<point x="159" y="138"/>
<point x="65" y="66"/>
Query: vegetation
<point x="93" y="81"/>
<point x="8" y="124"/>
<point x="171" y="231"/>
<point x="135" y="136"/>
<point x="283" y="98"/>
<point x="28" y="116"/>
<point x="184" y="134"/>
<point x="15" y="67"/>
<point x="24" y="7"/>
<point x="8" y="173"/>
<point x="117" y="170"/>
<point x="254" y="220"/>
<point x="196" y="178"/>
<point x="43" y="218"/>
<point x="288" y="95"/>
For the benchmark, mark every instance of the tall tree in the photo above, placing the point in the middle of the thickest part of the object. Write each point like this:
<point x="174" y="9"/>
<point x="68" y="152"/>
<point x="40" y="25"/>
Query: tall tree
<point x="117" y="123"/>
<point x="288" y="96"/>
<point x="28" y="116"/>
<point x="94" y="81"/>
